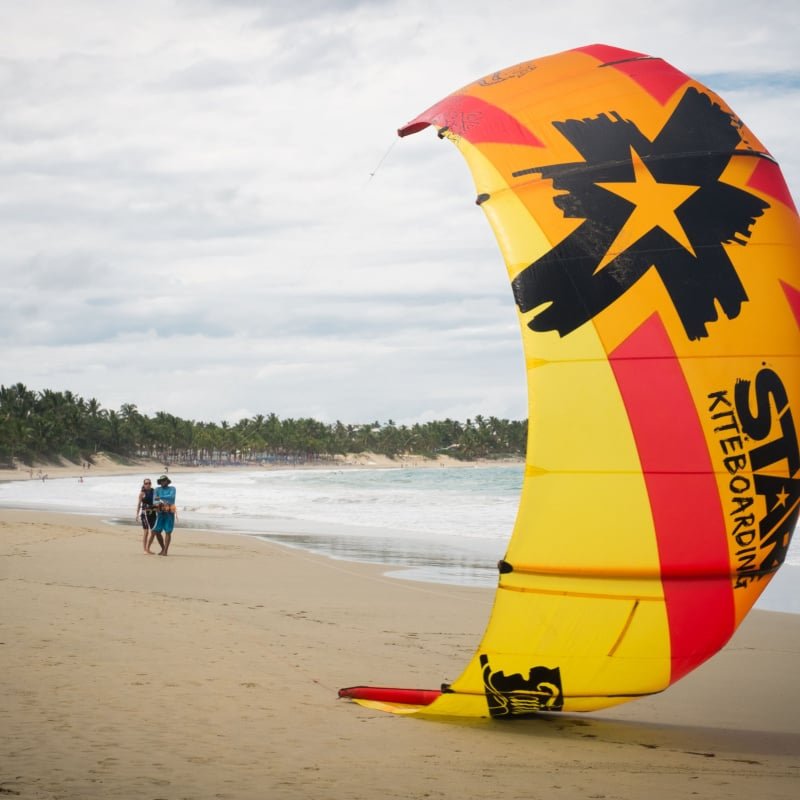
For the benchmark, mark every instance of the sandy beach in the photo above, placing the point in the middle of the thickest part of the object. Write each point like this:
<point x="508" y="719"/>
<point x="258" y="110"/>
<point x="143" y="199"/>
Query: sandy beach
<point x="213" y="674"/>
<point x="103" y="465"/>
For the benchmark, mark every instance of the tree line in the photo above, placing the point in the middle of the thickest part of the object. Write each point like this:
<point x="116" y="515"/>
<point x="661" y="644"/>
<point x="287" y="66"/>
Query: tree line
<point x="48" y="424"/>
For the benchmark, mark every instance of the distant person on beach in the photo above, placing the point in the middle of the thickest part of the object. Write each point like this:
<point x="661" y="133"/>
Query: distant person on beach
<point x="164" y="501"/>
<point x="147" y="516"/>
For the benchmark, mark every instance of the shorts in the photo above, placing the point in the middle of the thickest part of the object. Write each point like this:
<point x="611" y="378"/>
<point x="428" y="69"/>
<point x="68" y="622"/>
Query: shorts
<point x="165" y="522"/>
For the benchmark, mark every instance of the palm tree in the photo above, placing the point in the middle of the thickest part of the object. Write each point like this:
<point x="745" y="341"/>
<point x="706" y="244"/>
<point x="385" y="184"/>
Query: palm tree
<point x="52" y="423"/>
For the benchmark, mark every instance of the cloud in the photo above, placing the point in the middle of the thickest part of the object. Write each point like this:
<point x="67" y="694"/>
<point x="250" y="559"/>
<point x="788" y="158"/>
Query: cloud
<point x="204" y="76"/>
<point x="207" y="211"/>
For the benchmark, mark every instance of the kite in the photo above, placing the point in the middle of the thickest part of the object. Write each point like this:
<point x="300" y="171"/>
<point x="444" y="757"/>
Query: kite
<point x="652" y="249"/>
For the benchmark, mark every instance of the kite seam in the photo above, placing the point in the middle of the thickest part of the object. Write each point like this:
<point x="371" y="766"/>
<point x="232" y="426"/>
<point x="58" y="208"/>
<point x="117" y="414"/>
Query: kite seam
<point x="624" y="630"/>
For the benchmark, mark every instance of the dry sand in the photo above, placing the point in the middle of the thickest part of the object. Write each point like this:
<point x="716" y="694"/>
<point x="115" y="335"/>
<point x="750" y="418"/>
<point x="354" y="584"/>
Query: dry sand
<point x="213" y="674"/>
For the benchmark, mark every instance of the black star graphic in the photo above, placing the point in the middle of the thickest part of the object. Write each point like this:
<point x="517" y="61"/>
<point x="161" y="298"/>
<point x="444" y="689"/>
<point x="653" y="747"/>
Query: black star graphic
<point x="644" y="204"/>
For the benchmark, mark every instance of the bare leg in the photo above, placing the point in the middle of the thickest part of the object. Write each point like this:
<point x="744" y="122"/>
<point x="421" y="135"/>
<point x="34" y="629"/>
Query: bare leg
<point x="167" y="540"/>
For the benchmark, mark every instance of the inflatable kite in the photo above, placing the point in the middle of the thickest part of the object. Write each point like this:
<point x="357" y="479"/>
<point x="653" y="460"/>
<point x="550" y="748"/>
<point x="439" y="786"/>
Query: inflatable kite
<point x="652" y="247"/>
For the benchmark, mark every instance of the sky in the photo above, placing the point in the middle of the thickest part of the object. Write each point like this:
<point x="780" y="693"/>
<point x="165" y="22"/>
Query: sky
<point x="206" y="209"/>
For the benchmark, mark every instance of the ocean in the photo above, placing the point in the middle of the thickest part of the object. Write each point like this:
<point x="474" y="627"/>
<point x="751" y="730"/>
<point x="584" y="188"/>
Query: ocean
<point x="438" y="524"/>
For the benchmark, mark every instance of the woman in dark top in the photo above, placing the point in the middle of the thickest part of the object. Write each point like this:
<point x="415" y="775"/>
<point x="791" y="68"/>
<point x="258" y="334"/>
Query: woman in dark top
<point x="147" y="514"/>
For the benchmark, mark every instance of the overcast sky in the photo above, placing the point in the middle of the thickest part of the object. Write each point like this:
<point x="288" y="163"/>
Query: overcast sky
<point x="205" y="209"/>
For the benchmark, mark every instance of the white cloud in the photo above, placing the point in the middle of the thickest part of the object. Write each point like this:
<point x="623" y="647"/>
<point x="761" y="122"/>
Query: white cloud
<point x="191" y="223"/>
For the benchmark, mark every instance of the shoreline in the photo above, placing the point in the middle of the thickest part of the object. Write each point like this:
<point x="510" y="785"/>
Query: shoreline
<point x="780" y="596"/>
<point x="107" y="467"/>
<point x="213" y="674"/>
<point x="342" y="542"/>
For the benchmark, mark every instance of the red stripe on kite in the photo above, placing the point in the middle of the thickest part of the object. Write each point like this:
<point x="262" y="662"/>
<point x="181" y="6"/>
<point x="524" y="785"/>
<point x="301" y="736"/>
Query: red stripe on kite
<point x="767" y="178"/>
<point x="474" y="119"/>
<point x="684" y="500"/>
<point x="659" y="79"/>
<point x="609" y="54"/>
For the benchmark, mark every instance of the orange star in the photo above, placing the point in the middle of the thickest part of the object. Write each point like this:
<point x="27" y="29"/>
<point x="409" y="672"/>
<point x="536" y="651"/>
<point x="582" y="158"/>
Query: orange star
<point x="655" y="203"/>
<point x="781" y="497"/>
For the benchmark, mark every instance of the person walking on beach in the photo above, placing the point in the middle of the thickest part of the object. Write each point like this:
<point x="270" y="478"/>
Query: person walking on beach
<point x="166" y="511"/>
<point x="147" y="516"/>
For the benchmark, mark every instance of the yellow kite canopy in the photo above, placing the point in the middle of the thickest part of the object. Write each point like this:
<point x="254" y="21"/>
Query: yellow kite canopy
<point x="652" y="247"/>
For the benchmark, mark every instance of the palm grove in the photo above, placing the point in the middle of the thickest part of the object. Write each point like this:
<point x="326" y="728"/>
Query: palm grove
<point x="45" y="425"/>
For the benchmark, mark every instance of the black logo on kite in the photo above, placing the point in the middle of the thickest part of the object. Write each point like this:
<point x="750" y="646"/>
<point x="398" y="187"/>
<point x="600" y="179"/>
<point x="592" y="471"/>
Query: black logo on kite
<point x="507" y="74"/>
<point x="761" y="461"/>
<point x="515" y="696"/>
<point x="644" y="204"/>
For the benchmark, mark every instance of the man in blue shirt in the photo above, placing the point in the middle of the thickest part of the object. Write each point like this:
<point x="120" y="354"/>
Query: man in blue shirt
<point x="164" y="502"/>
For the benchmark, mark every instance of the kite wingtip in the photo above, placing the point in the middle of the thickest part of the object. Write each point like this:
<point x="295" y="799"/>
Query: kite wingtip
<point x="419" y="697"/>
<point x="415" y="126"/>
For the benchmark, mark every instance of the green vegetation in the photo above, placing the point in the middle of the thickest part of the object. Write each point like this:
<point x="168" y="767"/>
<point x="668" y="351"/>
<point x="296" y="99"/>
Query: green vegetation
<point x="48" y="424"/>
